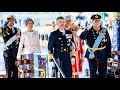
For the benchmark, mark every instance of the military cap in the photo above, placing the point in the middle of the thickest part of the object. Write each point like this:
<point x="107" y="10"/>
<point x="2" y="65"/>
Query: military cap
<point x="11" y="18"/>
<point x="96" y="16"/>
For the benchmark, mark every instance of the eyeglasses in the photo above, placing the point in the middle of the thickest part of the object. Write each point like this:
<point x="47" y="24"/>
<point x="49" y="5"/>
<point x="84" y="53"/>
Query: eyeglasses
<point x="73" y="29"/>
<point x="68" y="20"/>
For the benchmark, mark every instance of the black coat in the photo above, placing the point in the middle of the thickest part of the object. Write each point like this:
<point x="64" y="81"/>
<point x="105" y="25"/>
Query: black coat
<point x="59" y="46"/>
<point x="90" y="35"/>
<point x="12" y="50"/>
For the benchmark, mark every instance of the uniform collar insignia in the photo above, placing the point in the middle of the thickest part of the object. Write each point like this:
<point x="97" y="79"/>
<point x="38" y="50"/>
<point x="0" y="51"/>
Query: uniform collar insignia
<point x="68" y="35"/>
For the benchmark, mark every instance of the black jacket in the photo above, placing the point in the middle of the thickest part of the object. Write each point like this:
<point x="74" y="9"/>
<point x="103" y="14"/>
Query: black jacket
<point x="90" y="35"/>
<point x="12" y="50"/>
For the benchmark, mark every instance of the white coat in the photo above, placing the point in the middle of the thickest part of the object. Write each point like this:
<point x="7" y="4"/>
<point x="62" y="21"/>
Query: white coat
<point x="31" y="43"/>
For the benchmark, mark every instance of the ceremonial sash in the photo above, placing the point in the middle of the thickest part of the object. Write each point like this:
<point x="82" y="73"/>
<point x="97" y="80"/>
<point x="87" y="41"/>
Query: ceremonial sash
<point x="11" y="40"/>
<point x="96" y="44"/>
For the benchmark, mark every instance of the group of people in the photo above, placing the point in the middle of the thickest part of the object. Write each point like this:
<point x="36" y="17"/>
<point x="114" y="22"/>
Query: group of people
<point x="64" y="47"/>
<point x="18" y="43"/>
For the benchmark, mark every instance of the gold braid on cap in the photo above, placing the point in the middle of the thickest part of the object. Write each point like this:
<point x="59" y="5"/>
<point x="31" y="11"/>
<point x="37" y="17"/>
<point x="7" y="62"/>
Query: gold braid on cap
<point x="96" y="16"/>
<point x="11" y="17"/>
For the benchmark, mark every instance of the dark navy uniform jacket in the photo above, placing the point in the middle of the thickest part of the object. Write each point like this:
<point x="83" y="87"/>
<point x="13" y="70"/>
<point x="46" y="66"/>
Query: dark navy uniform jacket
<point x="90" y="35"/>
<point x="59" y="46"/>
<point x="12" y="50"/>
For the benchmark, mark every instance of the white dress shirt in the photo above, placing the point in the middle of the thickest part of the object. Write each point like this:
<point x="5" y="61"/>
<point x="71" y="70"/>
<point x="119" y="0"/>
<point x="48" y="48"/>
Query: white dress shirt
<point x="13" y="31"/>
<point x="63" y="32"/>
<point x="31" y="43"/>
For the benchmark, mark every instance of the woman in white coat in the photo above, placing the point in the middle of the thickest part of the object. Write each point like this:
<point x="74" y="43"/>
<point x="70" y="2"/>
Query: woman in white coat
<point x="30" y="40"/>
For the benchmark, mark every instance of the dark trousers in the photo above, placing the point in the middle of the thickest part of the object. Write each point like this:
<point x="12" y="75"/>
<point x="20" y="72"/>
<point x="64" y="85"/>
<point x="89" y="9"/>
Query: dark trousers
<point x="55" y="72"/>
<point x="101" y="67"/>
<point x="11" y="68"/>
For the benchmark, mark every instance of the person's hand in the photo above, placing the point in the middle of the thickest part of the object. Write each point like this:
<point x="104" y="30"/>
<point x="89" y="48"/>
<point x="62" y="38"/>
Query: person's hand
<point x="113" y="52"/>
<point x="109" y="64"/>
<point x="17" y="62"/>
<point x="78" y="48"/>
<point x="73" y="61"/>
<point x="19" y="59"/>
<point x="50" y="57"/>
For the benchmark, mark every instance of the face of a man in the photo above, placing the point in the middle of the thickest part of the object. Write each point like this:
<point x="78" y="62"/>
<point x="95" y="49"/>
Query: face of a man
<point x="61" y="23"/>
<point x="96" y="23"/>
<point x="11" y="23"/>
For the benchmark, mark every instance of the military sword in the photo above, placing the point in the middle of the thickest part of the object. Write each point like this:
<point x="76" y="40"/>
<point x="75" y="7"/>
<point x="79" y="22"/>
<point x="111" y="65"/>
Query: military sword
<point x="58" y="67"/>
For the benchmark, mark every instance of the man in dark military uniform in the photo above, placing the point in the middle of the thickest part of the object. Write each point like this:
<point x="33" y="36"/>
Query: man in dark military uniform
<point x="11" y="37"/>
<point x="59" y="45"/>
<point x="99" y="47"/>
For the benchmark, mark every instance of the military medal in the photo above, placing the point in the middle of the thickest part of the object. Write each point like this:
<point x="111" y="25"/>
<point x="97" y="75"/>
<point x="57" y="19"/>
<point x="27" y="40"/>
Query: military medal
<point x="68" y="44"/>
<point x="4" y="35"/>
<point x="59" y="38"/>
<point x="68" y="35"/>
<point x="8" y="33"/>
<point x="94" y="37"/>
<point x="104" y="40"/>
<point x="69" y="40"/>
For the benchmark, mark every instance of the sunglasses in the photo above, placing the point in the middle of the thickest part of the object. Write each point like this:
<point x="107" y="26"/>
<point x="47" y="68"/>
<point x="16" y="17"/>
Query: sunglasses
<point x="68" y="20"/>
<point x="73" y="29"/>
